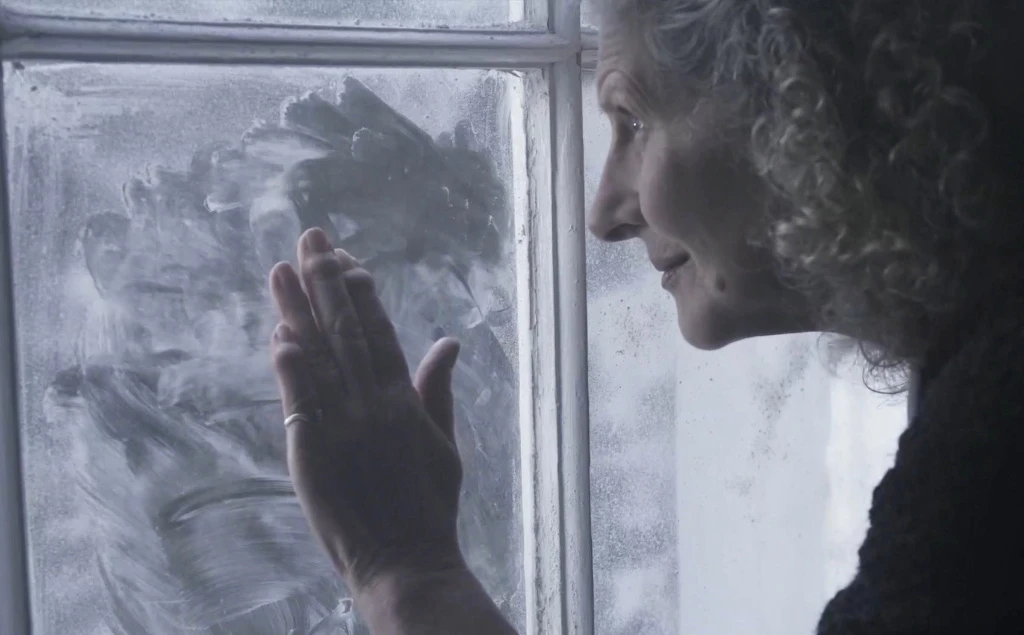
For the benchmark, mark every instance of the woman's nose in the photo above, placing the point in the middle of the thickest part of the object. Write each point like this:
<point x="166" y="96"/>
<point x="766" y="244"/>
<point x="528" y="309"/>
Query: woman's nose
<point x="615" y="213"/>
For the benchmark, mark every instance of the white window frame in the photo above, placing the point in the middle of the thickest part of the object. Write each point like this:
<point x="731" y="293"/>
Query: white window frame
<point x="554" y="402"/>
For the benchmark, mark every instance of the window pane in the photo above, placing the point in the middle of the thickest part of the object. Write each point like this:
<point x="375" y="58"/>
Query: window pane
<point x="392" y="13"/>
<point x="147" y="208"/>
<point x="730" y="489"/>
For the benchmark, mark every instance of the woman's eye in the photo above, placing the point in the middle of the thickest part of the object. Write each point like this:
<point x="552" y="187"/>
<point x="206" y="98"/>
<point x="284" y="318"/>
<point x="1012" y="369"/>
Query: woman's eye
<point x="630" y="122"/>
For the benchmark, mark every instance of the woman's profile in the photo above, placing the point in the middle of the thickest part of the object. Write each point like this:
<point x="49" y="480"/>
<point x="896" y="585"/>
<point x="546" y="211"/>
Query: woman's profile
<point x="852" y="167"/>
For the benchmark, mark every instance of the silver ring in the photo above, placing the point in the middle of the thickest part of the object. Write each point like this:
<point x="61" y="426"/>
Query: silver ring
<point x="298" y="416"/>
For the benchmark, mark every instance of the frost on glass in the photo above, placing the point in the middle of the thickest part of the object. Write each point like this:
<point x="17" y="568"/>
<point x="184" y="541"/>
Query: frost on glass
<point x="730" y="489"/>
<point x="148" y="203"/>
<point x="632" y="347"/>
<point x="390" y="13"/>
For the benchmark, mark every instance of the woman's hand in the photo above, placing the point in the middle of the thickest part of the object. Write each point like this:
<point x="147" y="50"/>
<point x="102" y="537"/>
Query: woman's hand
<point x="372" y="455"/>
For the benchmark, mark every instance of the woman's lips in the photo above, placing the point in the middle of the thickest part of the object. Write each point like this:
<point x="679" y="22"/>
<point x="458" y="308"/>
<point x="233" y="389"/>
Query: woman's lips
<point x="669" y="276"/>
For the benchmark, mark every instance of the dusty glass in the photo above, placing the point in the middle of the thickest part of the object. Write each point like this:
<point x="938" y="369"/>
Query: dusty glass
<point x="147" y="205"/>
<point x="729" y="489"/>
<point x="382" y="13"/>
<point x="631" y="348"/>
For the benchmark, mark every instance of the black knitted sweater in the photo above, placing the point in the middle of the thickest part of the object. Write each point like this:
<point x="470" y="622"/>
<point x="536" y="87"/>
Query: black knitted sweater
<point x="945" y="549"/>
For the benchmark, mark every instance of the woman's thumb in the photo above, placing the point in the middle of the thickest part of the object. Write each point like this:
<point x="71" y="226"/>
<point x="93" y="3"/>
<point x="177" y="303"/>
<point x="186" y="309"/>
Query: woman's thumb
<point x="433" y="381"/>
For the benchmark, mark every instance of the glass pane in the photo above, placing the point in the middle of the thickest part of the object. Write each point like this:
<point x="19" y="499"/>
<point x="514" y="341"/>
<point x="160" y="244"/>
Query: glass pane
<point x="730" y="489"/>
<point x="148" y="203"/>
<point x="632" y="419"/>
<point x="369" y="13"/>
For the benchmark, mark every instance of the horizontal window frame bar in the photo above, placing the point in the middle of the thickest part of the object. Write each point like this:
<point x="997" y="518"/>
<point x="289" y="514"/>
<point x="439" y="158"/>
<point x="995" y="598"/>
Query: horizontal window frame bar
<point x="26" y="37"/>
<point x="234" y="53"/>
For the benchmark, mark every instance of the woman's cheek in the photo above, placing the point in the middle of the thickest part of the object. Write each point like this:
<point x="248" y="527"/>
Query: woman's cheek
<point x="660" y="194"/>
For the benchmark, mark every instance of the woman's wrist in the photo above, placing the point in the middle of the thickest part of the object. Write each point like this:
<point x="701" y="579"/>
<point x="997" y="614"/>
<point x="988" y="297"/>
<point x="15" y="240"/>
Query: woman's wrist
<point x="418" y="602"/>
<point x="401" y="590"/>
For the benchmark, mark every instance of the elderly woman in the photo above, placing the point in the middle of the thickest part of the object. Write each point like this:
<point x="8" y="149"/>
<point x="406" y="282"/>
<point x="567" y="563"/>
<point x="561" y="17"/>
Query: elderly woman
<point x="851" y="166"/>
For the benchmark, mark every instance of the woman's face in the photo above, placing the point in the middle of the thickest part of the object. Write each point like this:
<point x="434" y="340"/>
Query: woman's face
<point x="671" y="181"/>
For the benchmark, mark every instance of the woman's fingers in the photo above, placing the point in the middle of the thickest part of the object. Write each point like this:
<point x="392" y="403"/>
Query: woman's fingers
<point x="297" y="316"/>
<point x="294" y="375"/>
<point x="434" y="384"/>
<point x="301" y="409"/>
<point x="389" y="365"/>
<point x="323" y="278"/>
<point x="292" y="303"/>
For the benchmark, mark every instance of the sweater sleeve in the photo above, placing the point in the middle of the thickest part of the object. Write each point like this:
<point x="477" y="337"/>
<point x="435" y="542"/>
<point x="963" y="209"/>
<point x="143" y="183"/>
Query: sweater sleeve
<point x="945" y="549"/>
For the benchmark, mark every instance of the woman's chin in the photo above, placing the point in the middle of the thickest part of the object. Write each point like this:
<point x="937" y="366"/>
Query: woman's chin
<point x="710" y="325"/>
<point x="702" y="334"/>
<point x="710" y="330"/>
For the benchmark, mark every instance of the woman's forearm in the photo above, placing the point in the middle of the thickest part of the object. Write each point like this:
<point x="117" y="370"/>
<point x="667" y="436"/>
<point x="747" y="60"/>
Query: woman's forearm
<point x="452" y="603"/>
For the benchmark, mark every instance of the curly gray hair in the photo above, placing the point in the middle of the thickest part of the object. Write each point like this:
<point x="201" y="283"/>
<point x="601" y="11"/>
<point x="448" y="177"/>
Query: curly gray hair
<point x="898" y="209"/>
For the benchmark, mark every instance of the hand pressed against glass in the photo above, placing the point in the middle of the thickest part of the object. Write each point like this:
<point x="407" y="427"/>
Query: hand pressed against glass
<point x="372" y="452"/>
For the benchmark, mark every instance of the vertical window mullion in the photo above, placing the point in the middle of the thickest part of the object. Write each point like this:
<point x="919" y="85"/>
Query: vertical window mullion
<point x="571" y="280"/>
<point x="571" y="297"/>
<point x="538" y="412"/>
<point x="14" y="602"/>
<point x="557" y="464"/>
<point x="553" y="351"/>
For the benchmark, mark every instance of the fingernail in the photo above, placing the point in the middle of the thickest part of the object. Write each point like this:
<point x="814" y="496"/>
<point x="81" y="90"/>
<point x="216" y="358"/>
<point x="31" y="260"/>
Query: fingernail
<point x="283" y="334"/>
<point x="279" y="275"/>
<point x="345" y="256"/>
<point x="455" y="355"/>
<point x="316" y="241"/>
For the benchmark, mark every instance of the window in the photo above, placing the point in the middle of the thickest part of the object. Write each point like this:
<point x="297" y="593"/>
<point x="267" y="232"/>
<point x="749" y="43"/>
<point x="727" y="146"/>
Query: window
<point x="159" y="156"/>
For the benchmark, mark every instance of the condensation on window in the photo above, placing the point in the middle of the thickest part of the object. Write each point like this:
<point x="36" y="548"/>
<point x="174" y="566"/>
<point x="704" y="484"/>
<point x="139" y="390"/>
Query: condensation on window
<point x="369" y="13"/>
<point x="730" y="489"/>
<point x="147" y="205"/>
